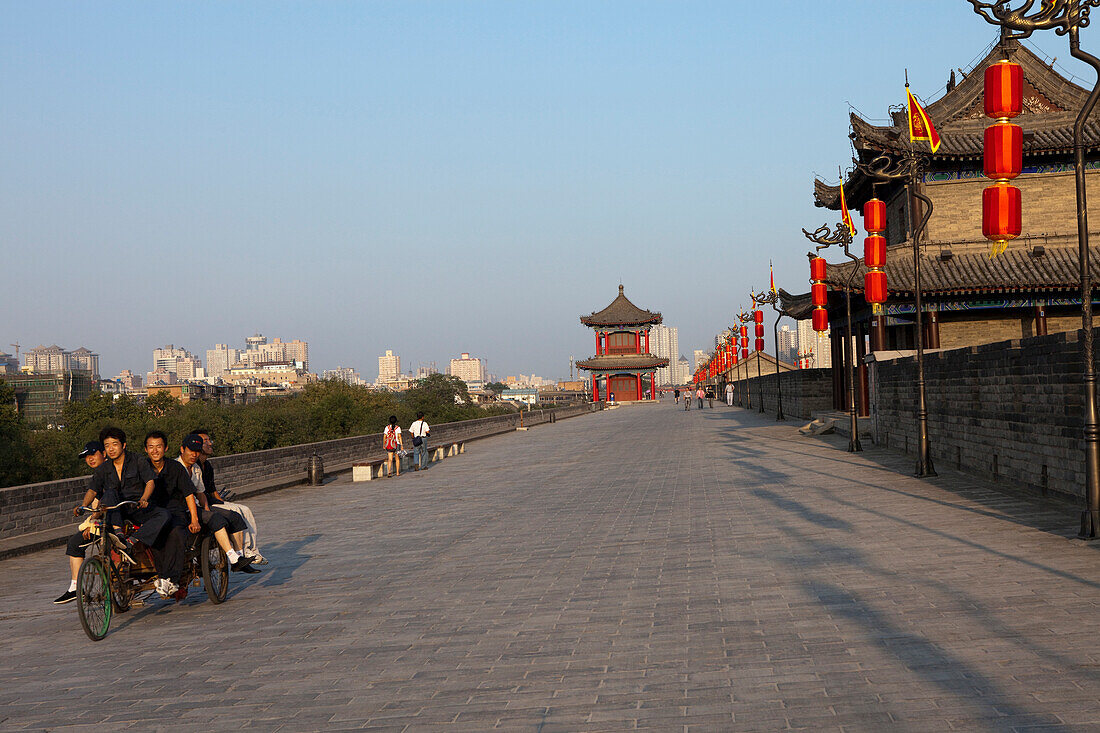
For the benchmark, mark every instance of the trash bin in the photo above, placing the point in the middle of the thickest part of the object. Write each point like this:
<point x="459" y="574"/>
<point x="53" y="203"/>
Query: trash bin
<point x="315" y="474"/>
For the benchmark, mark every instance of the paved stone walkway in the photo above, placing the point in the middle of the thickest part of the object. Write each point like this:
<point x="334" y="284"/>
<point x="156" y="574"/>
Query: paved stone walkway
<point x="641" y="568"/>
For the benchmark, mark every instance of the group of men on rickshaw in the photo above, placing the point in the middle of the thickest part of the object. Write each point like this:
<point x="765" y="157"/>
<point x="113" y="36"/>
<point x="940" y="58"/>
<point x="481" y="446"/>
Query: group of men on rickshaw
<point x="174" y="500"/>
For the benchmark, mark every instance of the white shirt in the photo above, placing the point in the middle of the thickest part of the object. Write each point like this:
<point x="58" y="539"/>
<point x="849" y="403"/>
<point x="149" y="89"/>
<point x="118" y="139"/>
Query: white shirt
<point x="196" y="475"/>
<point x="419" y="429"/>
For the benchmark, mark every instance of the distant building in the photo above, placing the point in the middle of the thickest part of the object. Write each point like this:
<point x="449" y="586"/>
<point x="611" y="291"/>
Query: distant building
<point x="664" y="342"/>
<point x="527" y="395"/>
<point x="788" y="344"/>
<point x="47" y="359"/>
<point x="814" y="347"/>
<point x="277" y="350"/>
<point x="469" y="369"/>
<point x="166" y="357"/>
<point x="8" y="363"/>
<point x="41" y="396"/>
<point x="160" y="376"/>
<point x="346" y="375"/>
<point x="85" y="360"/>
<point x="128" y="380"/>
<point x="623" y="369"/>
<point x="426" y="371"/>
<point x="220" y="359"/>
<point x="683" y="370"/>
<point x="389" y="367"/>
<point x="272" y="374"/>
<point x="700" y="360"/>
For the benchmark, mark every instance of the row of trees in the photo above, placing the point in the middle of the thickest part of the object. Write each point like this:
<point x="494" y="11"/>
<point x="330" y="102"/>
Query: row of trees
<point x="323" y="411"/>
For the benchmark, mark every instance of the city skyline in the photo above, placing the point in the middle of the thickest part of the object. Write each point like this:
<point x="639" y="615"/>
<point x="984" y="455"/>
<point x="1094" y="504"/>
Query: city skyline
<point x="488" y="145"/>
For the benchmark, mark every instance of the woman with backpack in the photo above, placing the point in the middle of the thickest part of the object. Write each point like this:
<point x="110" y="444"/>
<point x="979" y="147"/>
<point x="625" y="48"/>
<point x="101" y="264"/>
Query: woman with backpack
<point x="391" y="443"/>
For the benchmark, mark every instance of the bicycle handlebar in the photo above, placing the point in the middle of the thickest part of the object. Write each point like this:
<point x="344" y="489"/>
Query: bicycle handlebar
<point x="89" y="510"/>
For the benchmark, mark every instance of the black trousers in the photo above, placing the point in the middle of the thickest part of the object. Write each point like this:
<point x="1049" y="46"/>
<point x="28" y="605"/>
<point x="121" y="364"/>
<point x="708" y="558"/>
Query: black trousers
<point x="213" y="521"/>
<point x="152" y="520"/>
<point x="170" y="550"/>
<point x="74" y="549"/>
<point x="234" y="521"/>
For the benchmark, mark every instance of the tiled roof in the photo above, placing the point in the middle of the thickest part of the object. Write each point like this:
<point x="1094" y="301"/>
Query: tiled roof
<point x="621" y="312"/>
<point x="972" y="272"/>
<point x="622" y="361"/>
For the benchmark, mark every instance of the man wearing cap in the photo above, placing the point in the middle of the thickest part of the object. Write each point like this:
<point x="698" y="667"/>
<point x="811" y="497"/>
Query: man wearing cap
<point x="190" y="449"/>
<point x="238" y="515"/>
<point x="93" y="456"/>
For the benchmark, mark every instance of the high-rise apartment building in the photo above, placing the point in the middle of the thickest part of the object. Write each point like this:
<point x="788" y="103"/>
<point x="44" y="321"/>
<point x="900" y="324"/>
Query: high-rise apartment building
<point x="389" y="367"/>
<point x="165" y="358"/>
<point x="348" y="375"/>
<point x="683" y="370"/>
<point x="469" y="369"/>
<point x="47" y="360"/>
<point x="699" y="360"/>
<point x="85" y="360"/>
<point x="788" y="345"/>
<point x="814" y="346"/>
<point x="128" y="380"/>
<point x="664" y="342"/>
<point x="220" y="360"/>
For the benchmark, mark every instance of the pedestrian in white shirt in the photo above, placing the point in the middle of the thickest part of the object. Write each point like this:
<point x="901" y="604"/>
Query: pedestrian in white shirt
<point x="420" y="432"/>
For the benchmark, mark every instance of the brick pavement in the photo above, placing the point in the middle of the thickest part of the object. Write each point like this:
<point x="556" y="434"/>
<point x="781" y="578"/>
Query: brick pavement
<point x="637" y="568"/>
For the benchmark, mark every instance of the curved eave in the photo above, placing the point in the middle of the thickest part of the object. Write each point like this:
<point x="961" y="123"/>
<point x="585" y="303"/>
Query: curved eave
<point x="595" y="320"/>
<point x="622" y="362"/>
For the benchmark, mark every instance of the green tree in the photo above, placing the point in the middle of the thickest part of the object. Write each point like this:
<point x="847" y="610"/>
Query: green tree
<point x="17" y="464"/>
<point x="496" y="387"/>
<point x="161" y="403"/>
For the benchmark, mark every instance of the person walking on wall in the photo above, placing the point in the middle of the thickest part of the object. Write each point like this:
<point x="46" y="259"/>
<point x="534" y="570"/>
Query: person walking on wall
<point x="391" y="443"/>
<point x="700" y="394"/>
<point x="729" y="394"/>
<point x="420" y="432"/>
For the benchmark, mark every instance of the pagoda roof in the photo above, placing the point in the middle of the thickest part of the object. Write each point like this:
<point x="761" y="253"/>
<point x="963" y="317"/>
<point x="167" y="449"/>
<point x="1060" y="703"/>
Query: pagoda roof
<point x="798" y="307"/>
<point x="1015" y="270"/>
<point x="611" y="362"/>
<point x="621" y="312"/>
<point x="1051" y="102"/>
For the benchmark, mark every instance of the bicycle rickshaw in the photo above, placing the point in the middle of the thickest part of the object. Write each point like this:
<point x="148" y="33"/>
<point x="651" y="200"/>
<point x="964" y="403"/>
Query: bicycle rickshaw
<point x="111" y="578"/>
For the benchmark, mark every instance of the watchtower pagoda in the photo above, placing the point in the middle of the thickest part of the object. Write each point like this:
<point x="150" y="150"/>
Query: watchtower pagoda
<point x="622" y="370"/>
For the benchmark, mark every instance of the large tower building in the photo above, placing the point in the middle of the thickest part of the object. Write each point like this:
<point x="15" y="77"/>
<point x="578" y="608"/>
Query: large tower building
<point x="814" y="346"/>
<point x="469" y="369"/>
<point x="788" y="344"/>
<point x="389" y="367"/>
<point x="220" y="360"/>
<point x="665" y="343"/>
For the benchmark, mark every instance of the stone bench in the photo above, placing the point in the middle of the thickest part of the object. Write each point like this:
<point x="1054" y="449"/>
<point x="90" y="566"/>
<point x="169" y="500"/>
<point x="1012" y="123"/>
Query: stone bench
<point x="376" y="468"/>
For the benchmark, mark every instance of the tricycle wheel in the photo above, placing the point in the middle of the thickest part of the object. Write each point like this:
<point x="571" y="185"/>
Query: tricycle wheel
<point x="215" y="570"/>
<point x="93" y="598"/>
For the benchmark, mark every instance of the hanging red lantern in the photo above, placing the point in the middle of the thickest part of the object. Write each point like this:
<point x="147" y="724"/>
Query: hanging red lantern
<point x="874" y="216"/>
<point x="817" y="268"/>
<point x="1004" y="89"/>
<point x="1001" y="213"/>
<point x="1003" y="154"/>
<point x="874" y="286"/>
<point x="759" y="330"/>
<point x="744" y="334"/>
<point x="758" y="316"/>
<point x="874" y="251"/>
<point x="759" y="344"/>
<point x="744" y="354"/>
<point x="1004" y="150"/>
<point x="819" y="293"/>
<point x="820" y="319"/>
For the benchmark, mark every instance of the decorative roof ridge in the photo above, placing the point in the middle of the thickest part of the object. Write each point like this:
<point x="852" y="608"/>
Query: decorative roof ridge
<point x="621" y="312"/>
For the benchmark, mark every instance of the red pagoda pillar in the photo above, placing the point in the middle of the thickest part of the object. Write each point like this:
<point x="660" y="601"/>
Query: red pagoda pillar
<point x="647" y="342"/>
<point x="595" y="389"/>
<point x="639" y="378"/>
<point x="653" y="385"/>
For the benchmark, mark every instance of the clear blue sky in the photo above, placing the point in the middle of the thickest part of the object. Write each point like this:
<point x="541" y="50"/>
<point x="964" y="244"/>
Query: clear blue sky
<point x="429" y="177"/>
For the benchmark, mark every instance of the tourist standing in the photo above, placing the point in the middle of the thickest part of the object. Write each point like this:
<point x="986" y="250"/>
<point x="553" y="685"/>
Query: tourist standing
<point x="391" y="443"/>
<point x="420" y="432"/>
<point x="700" y="394"/>
<point x="729" y="394"/>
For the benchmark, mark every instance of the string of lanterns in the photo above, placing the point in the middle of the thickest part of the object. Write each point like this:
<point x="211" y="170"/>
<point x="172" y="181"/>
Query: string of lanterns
<point x="1003" y="154"/>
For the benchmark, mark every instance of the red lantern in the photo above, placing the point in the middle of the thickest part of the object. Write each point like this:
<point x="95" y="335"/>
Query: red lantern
<point x="744" y="333"/>
<point x="1004" y="148"/>
<point x="1001" y="213"/>
<point x="1004" y="89"/>
<point x="817" y="268"/>
<point x="759" y="330"/>
<point x="758" y="316"/>
<point x="874" y="251"/>
<point x="874" y="216"/>
<point x="874" y="286"/>
<point x="819" y="294"/>
<point x="759" y="344"/>
<point x="744" y="353"/>
<point x="820" y="319"/>
<point x="1003" y="159"/>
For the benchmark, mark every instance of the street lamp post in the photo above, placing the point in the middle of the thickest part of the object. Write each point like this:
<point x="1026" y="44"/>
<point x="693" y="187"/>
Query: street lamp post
<point x="1068" y="17"/>
<point x="906" y="167"/>
<point x="771" y="297"/>
<point x="745" y="318"/>
<point x="824" y="238"/>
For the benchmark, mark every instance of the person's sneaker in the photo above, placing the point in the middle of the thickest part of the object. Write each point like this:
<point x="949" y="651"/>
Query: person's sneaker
<point x="165" y="588"/>
<point x="250" y="570"/>
<point x="257" y="559"/>
<point x="67" y="597"/>
<point x="242" y="563"/>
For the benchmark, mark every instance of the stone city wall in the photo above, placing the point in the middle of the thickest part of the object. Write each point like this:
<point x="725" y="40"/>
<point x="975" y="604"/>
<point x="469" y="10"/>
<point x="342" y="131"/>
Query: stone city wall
<point x="805" y="391"/>
<point x="1010" y="410"/>
<point x="46" y="505"/>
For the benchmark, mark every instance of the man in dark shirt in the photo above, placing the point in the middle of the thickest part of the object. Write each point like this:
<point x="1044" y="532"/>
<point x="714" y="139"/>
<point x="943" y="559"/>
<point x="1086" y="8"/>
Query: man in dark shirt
<point x="173" y="491"/>
<point x="78" y="541"/>
<point x="125" y="477"/>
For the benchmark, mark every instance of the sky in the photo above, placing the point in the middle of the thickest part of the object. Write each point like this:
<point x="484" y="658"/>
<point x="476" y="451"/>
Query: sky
<point x="431" y="177"/>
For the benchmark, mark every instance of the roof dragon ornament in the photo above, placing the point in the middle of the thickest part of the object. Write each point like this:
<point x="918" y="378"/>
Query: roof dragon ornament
<point x="1059" y="15"/>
